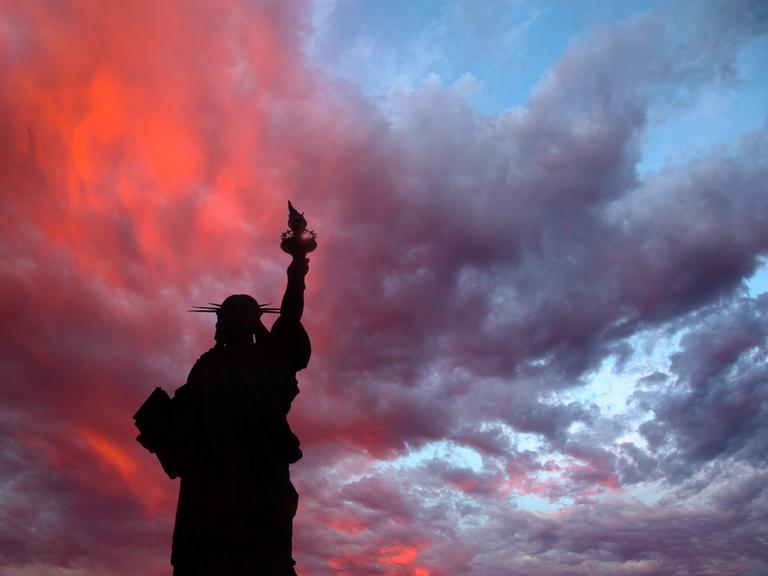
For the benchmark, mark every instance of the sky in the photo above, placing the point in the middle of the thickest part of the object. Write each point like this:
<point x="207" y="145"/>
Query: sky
<point x="538" y="308"/>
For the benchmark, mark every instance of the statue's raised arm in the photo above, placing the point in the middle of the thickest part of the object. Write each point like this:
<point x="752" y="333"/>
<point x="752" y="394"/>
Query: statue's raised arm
<point x="287" y="333"/>
<point x="298" y="242"/>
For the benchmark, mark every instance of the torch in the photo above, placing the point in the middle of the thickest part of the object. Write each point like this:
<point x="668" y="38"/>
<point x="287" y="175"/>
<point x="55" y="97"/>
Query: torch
<point x="297" y="240"/>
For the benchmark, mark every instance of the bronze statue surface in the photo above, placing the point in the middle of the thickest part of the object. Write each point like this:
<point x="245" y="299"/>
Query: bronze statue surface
<point x="225" y="433"/>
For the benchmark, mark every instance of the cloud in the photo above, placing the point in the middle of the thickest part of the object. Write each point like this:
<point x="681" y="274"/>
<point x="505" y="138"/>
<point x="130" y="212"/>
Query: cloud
<point x="715" y="407"/>
<point x="473" y="274"/>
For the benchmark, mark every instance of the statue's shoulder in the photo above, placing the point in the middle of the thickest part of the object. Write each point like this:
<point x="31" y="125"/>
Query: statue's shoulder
<point x="292" y="341"/>
<point x="202" y="374"/>
<point x="206" y="363"/>
<point x="212" y="355"/>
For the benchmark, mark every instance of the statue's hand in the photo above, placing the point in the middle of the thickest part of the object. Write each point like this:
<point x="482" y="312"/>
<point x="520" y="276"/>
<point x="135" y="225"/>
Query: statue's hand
<point x="299" y="265"/>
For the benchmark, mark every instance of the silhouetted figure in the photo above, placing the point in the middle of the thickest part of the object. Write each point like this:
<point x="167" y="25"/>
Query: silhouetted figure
<point x="226" y="434"/>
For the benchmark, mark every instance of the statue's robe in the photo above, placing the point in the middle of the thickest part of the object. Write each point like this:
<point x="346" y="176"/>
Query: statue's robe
<point x="231" y="444"/>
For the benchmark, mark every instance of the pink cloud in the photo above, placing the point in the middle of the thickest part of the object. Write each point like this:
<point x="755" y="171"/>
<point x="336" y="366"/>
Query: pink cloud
<point x="470" y="269"/>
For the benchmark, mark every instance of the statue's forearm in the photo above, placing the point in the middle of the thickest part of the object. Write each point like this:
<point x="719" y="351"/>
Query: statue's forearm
<point x="293" y="300"/>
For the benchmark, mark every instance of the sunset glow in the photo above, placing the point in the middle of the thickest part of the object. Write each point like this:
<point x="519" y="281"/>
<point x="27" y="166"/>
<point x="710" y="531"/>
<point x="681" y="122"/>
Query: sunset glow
<point x="538" y="306"/>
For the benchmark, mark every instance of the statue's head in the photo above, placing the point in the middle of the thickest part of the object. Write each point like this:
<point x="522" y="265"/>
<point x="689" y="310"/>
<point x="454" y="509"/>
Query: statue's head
<point x="237" y="318"/>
